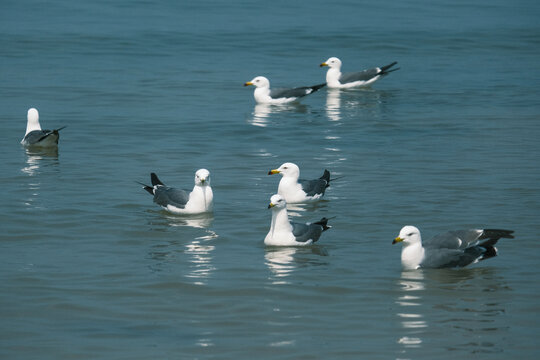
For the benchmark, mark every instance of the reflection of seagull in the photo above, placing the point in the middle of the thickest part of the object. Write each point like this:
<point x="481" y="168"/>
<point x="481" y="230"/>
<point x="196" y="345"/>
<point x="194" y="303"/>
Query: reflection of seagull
<point x="177" y="201"/>
<point x="335" y="79"/>
<point x="285" y="233"/>
<point x="35" y="136"/>
<point x="452" y="249"/>
<point x="263" y="94"/>
<point x="296" y="190"/>
<point x="333" y="104"/>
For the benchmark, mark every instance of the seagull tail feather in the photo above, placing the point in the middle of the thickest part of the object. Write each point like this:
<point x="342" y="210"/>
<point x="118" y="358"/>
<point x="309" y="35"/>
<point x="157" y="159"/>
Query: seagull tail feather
<point x="155" y="180"/>
<point x="323" y="222"/>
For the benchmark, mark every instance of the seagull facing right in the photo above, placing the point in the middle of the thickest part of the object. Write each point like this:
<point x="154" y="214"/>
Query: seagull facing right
<point x="263" y="94"/>
<point x="34" y="136"/>
<point x="457" y="248"/>
<point x="336" y="80"/>
<point x="285" y="233"/>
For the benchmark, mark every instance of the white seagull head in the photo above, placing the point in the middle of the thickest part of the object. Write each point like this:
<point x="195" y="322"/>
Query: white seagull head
<point x="259" y="82"/>
<point x="202" y="177"/>
<point x="332" y="63"/>
<point x="277" y="202"/>
<point x="408" y="235"/>
<point x="287" y="170"/>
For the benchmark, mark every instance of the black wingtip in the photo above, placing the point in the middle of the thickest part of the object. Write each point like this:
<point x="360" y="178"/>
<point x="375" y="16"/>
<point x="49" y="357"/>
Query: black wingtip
<point x="317" y="87"/>
<point x="497" y="234"/>
<point x="326" y="177"/>
<point x="386" y="69"/>
<point x="150" y="189"/>
<point x="323" y="222"/>
<point x="155" y="180"/>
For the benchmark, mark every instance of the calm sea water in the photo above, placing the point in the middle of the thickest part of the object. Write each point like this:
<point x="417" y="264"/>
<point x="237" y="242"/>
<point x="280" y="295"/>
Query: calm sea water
<point x="91" y="268"/>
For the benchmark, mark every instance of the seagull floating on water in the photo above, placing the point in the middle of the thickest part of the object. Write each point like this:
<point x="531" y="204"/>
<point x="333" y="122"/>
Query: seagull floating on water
<point x="35" y="136"/>
<point x="457" y="248"/>
<point x="336" y="80"/>
<point x="263" y="94"/>
<point x="177" y="201"/>
<point x="296" y="190"/>
<point x="285" y="233"/>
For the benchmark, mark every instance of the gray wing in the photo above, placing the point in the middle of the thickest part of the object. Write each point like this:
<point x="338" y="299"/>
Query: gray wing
<point x="33" y="137"/>
<point x="458" y="239"/>
<point x="164" y="196"/>
<point x="295" y="92"/>
<point x="306" y="232"/>
<point x="462" y="247"/>
<point x="359" y="76"/>
<point x="313" y="187"/>
<point x="443" y="258"/>
<point x="289" y="93"/>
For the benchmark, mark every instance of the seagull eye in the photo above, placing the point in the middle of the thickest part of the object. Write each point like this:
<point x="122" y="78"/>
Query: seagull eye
<point x="410" y="234"/>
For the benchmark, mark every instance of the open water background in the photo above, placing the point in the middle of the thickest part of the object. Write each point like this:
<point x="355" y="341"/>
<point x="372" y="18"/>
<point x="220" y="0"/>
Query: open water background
<point x="91" y="268"/>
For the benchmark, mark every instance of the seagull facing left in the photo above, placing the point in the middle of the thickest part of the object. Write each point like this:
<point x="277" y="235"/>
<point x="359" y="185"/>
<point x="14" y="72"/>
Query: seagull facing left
<point x="296" y="190"/>
<point x="263" y="94"/>
<point x="457" y="248"/>
<point x="177" y="201"/>
<point x="285" y="233"/>
<point x="336" y="80"/>
<point x="35" y="136"/>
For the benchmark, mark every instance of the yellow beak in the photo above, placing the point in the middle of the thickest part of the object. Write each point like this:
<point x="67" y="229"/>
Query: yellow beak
<point x="272" y="172"/>
<point x="271" y="205"/>
<point x="248" y="83"/>
<point x="396" y="240"/>
<point x="323" y="64"/>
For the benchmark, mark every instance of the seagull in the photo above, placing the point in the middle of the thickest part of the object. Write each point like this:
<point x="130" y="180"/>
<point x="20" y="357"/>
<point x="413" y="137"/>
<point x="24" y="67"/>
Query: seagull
<point x="177" y="201"/>
<point x="457" y="248"/>
<point x="285" y="233"/>
<point x="336" y="80"/>
<point x="296" y="190"/>
<point x="263" y="94"/>
<point x="34" y="136"/>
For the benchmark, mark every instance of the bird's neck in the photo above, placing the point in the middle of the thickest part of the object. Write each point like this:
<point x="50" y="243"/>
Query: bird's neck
<point x="32" y="125"/>
<point x="261" y="94"/>
<point x="205" y="193"/>
<point x="332" y="77"/>
<point x="280" y="220"/>
<point x="412" y="255"/>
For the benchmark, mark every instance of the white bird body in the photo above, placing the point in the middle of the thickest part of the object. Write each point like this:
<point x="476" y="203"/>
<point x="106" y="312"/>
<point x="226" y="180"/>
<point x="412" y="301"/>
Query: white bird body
<point x="456" y="248"/>
<point x="295" y="190"/>
<point x="336" y="80"/>
<point x="199" y="200"/>
<point x="35" y="136"/>
<point x="285" y="233"/>
<point x="263" y="94"/>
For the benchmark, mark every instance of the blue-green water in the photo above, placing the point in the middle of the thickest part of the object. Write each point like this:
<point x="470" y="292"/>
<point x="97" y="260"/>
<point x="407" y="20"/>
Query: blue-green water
<point x="91" y="268"/>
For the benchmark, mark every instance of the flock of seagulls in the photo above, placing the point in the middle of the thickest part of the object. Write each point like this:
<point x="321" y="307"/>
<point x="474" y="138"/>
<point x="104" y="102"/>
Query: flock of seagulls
<point x="452" y="249"/>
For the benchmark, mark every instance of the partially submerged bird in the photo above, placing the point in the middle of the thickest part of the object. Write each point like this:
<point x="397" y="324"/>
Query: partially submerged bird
<point x="35" y="136"/>
<point x="177" y="201"/>
<point x="295" y="190"/>
<point x="451" y="249"/>
<point x="335" y="79"/>
<point x="285" y="233"/>
<point x="263" y="94"/>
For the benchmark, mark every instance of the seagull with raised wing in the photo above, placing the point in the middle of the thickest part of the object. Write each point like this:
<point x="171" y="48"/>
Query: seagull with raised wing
<point x="456" y="248"/>
<point x="178" y="201"/>
<point x="263" y="94"/>
<point x="286" y="233"/>
<point x="35" y="136"/>
<point x="336" y="80"/>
